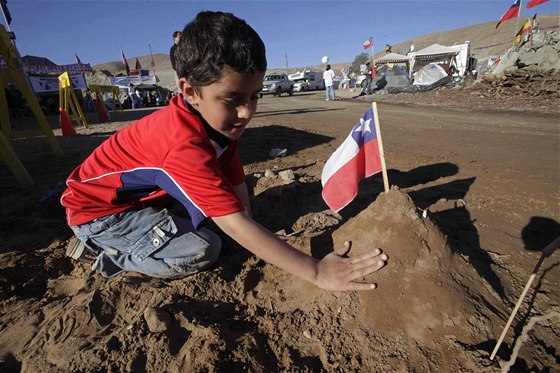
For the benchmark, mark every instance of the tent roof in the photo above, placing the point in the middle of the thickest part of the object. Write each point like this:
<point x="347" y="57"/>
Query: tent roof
<point x="34" y="60"/>
<point x="435" y="51"/>
<point x="393" y="58"/>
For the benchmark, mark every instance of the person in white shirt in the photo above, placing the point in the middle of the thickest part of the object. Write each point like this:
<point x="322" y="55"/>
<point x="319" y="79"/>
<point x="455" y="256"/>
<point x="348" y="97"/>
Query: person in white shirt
<point x="328" y="77"/>
<point x="133" y="96"/>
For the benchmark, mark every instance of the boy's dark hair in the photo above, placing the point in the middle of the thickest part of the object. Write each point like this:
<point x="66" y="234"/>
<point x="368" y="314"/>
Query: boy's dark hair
<point x="215" y="39"/>
<point x="176" y="33"/>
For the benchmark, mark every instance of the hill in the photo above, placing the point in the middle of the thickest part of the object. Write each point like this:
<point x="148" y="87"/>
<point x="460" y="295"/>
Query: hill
<point x="484" y="38"/>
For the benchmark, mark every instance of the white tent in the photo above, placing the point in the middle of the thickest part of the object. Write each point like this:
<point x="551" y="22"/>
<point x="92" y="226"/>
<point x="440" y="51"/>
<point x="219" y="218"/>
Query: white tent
<point x="429" y="74"/>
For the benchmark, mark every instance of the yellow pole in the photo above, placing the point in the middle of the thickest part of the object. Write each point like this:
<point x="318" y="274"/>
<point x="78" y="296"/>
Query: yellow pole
<point x="13" y="162"/>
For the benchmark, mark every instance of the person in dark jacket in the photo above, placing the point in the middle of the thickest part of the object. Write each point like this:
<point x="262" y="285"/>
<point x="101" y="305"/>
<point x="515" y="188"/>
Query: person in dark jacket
<point x="176" y="38"/>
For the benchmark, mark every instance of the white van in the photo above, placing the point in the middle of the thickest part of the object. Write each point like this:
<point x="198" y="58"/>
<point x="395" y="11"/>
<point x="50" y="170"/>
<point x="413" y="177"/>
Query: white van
<point x="307" y="80"/>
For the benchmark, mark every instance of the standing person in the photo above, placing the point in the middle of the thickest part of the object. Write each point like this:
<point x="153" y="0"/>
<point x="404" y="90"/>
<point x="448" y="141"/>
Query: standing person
<point x="328" y="77"/>
<point x="133" y="97"/>
<point x="140" y="201"/>
<point x="176" y="39"/>
<point x="369" y="77"/>
<point x="138" y="98"/>
<point x="88" y="101"/>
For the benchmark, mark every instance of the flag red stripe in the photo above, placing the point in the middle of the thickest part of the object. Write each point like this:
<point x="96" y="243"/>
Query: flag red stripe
<point x="512" y="12"/>
<point x="533" y="3"/>
<point x="341" y="188"/>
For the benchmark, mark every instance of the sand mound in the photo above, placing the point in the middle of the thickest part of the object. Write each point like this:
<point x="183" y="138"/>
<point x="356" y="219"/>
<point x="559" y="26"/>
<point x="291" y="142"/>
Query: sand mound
<point x="424" y="290"/>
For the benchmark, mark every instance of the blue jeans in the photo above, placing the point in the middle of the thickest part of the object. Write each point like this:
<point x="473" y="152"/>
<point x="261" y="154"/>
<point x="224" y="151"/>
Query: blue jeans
<point x="154" y="241"/>
<point x="330" y="92"/>
<point x="134" y="101"/>
<point x="367" y="87"/>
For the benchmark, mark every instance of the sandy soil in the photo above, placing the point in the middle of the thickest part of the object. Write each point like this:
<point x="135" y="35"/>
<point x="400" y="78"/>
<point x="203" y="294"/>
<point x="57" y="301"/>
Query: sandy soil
<point x="486" y="171"/>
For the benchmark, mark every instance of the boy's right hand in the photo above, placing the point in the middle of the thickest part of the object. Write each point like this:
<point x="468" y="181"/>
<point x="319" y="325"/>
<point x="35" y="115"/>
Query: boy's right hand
<point x="336" y="271"/>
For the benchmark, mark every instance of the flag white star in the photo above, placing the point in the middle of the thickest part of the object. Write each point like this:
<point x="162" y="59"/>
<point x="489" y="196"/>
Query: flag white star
<point x="365" y="125"/>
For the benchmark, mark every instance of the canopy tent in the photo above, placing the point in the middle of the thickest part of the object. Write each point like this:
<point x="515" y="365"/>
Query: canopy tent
<point x="391" y="75"/>
<point x="433" y="52"/>
<point x="392" y="58"/>
<point x="124" y="81"/>
<point x="457" y="55"/>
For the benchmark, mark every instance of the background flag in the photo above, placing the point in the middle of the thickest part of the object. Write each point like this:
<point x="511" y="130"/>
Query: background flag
<point x="357" y="158"/>
<point x="138" y="66"/>
<point x="368" y="43"/>
<point x="6" y="11"/>
<point x="533" y="3"/>
<point x="526" y="28"/>
<point x="126" y="67"/>
<point x="77" y="58"/>
<point x="512" y="12"/>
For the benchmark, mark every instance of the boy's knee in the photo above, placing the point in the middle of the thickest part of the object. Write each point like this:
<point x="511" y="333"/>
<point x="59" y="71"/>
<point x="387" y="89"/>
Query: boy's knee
<point x="213" y="250"/>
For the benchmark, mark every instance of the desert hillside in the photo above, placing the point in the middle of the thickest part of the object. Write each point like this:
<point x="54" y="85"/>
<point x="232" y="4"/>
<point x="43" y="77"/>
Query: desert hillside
<point x="484" y="38"/>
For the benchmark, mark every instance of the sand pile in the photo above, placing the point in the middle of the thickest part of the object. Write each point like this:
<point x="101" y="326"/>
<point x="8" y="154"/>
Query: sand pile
<point x="423" y="292"/>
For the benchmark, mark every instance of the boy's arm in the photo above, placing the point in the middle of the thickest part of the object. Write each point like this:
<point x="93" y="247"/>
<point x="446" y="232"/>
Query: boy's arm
<point x="333" y="272"/>
<point x="242" y="193"/>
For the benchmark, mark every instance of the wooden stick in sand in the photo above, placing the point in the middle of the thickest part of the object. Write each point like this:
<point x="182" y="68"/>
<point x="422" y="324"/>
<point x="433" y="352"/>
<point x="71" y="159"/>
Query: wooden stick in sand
<point x="546" y="252"/>
<point x="380" y="145"/>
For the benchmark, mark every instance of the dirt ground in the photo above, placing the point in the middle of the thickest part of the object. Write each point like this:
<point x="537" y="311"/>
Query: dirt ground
<point x="485" y="170"/>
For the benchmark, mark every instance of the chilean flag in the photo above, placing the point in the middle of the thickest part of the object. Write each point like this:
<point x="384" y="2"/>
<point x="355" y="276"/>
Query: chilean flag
<point x="512" y="12"/>
<point x="533" y="3"/>
<point x="368" y="43"/>
<point x="357" y="158"/>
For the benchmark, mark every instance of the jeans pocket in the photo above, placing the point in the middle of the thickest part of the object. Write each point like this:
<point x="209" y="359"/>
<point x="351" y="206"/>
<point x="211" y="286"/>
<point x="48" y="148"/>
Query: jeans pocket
<point x="154" y="239"/>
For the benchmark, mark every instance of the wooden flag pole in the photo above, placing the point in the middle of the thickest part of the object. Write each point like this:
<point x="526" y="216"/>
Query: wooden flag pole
<point x="380" y="145"/>
<point x="547" y="251"/>
<point x="517" y="22"/>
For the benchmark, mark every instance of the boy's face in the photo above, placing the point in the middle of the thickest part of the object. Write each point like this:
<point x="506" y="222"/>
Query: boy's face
<point x="229" y="104"/>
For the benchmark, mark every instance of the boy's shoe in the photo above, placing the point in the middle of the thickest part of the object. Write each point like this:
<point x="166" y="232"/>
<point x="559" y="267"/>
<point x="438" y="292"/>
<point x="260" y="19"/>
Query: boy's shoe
<point x="78" y="250"/>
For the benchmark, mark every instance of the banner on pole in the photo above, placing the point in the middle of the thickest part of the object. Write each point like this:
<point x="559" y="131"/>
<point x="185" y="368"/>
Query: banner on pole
<point x="42" y="84"/>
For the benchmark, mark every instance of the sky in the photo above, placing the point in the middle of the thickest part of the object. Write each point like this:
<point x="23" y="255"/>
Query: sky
<point x="296" y="33"/>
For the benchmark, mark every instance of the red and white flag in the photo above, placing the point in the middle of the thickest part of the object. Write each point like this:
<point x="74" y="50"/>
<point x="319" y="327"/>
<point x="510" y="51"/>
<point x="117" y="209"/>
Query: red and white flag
<point x="533" y="3"/>
<point x="368" y="43"/>
<point x="357" y="158"/>
<point x="512" y="12"/>
<point x="125" y="63"/>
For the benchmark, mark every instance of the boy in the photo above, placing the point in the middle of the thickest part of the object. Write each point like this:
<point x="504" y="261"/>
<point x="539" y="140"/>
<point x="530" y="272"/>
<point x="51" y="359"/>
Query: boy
<point x="119" y="201"/>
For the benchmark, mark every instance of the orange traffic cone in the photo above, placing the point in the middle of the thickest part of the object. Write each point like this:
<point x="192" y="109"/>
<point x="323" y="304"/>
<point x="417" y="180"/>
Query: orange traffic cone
<point x="65" y="124"/>
<point x="101" y="111"/>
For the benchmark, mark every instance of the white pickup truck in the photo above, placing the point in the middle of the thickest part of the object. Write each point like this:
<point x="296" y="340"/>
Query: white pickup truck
<point x="276" y="84"/>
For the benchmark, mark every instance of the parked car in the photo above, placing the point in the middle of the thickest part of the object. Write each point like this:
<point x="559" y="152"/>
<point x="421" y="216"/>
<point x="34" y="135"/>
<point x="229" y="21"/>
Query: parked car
<point x="301" y="86"/>
<point x="276" y="84"/>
